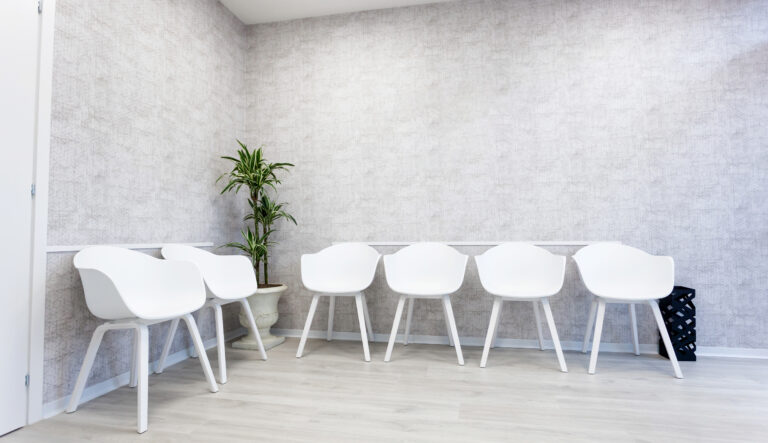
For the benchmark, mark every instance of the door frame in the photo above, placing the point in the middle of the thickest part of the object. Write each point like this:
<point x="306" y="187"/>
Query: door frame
<point x="39" y="245"/>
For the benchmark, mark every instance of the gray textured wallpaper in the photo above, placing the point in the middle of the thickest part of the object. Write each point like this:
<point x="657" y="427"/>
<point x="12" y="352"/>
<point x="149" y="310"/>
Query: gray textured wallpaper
<point x="146" y="96"/>
<point x="644" y="122"/>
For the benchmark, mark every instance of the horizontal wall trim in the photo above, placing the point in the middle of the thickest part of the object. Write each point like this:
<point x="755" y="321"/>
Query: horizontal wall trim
<point x="701" y="351"/>
<point x="75" y="248"/>
<point x="490" y="243"/>
<point x="57" y="406"/>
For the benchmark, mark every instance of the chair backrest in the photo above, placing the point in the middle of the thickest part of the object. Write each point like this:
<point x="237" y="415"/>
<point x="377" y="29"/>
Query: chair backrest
<point x="519" y="269"/>
<point x="341" y="268"/>
<point x="121" y="283"/>
<point x="226" y="276"/>
<point x="614" y="270"/>
<point x="425" y="269"/>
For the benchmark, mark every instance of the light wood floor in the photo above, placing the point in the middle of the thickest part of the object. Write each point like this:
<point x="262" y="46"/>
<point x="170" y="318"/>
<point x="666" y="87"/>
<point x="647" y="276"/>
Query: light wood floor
<point x="423" y="395"/>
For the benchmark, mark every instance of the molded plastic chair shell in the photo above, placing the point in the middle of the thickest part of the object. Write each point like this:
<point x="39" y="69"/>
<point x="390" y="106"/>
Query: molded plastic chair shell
<point x="621" y="272"/>
<point x="229" y="277"/>
<point x="340" y="269"/>
<point x="121" y="283"/>
<point x="617" y="273"/>
<point x="425" y="269"/>
<point x="521" y="270"/>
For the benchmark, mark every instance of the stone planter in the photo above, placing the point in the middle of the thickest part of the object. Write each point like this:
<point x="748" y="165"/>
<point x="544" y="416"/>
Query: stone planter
<point x="264" y="307"/>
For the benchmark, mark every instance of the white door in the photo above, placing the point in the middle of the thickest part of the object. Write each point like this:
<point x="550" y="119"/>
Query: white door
<point x="18" y="98"/>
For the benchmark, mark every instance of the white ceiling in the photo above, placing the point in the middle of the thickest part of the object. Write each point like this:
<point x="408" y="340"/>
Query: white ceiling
<point x="263" y="11"/>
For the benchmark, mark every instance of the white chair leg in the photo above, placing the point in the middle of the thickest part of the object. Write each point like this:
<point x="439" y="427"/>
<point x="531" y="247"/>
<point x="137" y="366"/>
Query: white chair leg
<point x="142" y="393"/>
<point x="447" y="327"/>
<point x="193" y="351"/>
<point x="331" y="310"/>
<point x="363" y="328"/>
<point x="665" y="338"/>
<point x="598" y="333"/>
<point x="201" y="355"/>
<point x="85" y="368"/>
<point x="553" y="333"/>
<point x="633" y="320"/>
<point x="220" y="345"/>
<point x="495" y="341"/>
<point x="452" y="325"/>
<point x="367" y="319"/>
<point x="134" y="359"/>
<point x="307" y="325"/>
<point x="590" y="325"/>
<point x="408" y="316"/>
<point x="167" y="347"/>
<point x="253" y="327"/>
<point x="493" y="324"/>
<point x="395" y="327"/>
<point x="537" y="316"/>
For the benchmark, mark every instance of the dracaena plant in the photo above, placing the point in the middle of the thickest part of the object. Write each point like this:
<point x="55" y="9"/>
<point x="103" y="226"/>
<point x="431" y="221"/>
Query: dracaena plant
<point x="251" y="170"/>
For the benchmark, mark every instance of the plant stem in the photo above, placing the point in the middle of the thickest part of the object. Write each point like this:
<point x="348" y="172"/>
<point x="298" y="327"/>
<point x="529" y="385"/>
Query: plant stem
<point x="255" y="199"/>
<point x="266" y="258"/>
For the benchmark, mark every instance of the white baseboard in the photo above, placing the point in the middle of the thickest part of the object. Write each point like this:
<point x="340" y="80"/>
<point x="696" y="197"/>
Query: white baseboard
<point x="702" y="351"/>
<point x="719" y="351"/>
<point x="57" y="406"/>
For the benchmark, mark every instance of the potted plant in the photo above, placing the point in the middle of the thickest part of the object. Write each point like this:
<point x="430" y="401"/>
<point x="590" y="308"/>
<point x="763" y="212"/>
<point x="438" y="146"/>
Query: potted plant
<point x="252" y="171"/>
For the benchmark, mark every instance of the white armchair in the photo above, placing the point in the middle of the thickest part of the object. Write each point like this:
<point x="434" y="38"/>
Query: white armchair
<point x="425" y="271"/>
<point x="132" y="290"/>
<point x="521" y="272"/>
<point x="229" y="279"/>
<point x="343" y="270"/>
<point x="616" y="273"/>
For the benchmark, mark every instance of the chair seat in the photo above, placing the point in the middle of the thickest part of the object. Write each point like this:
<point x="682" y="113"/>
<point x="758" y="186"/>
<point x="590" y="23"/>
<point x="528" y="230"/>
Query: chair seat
<point x="153" y="306"/>
<point x="631" y="294"/>
<point x="522" y="292"/>
<point x="426" y="293"/>
<point x="340" y="291"/>
<point x="232" y="294"/>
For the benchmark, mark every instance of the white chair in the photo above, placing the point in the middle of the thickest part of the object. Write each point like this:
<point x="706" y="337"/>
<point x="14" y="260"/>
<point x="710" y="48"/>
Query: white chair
<point x="521" y="272"/>
<point x="343" y="270"/>
<point x="426" y="271"/>
<point x="616" y="273"/>
<point x="132" y="290"/>
<point x="228" y="279"/>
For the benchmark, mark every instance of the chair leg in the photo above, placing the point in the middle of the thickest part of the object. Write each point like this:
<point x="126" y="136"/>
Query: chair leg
<point x="447" y="327"/>
<point x="363" y="328"/>
<point x="331" y="309"/>
<point x="193" y="351"/>
<point x="85" y="369"/>
<point x="495" y="342"/>
<point x="307" y="325"/>
<point x="408" y="316"/>
<point x="537" y="316"/>
<point x="553" y="333"/>
<point x="395" y="327"/>
<point x="665" y="338"/>
<point x="493" y="324"/>
<point x="598" y="333"/>
<point x="142" y="333"/>
<point x="454" y="332"/>
<point x="252" y="324"/>
<point x="134" y="359"/>
<point x="633" y="320"/>
<point x="590" y="325"/>
<point x="367" y="319"/>
<point x="202" y="356"/>
<point x="220" y="345"/>
<point x="167" y="347"/>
